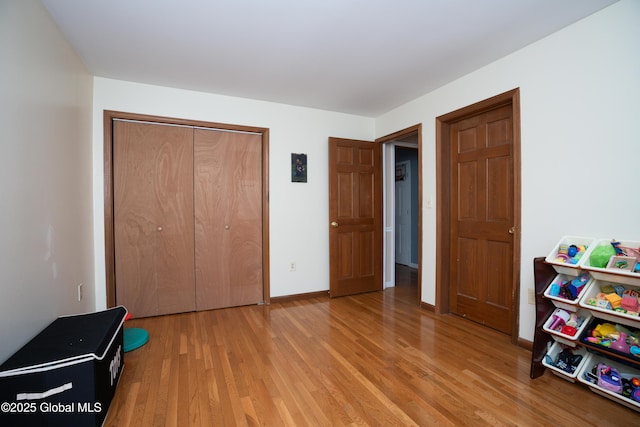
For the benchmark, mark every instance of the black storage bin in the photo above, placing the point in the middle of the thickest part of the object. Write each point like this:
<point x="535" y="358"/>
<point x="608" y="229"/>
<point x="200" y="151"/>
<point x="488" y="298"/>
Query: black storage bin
<point x="66" y="375"/>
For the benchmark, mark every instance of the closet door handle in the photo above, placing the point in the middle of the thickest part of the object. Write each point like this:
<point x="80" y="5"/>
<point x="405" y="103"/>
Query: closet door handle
<point x="159" y="228"/>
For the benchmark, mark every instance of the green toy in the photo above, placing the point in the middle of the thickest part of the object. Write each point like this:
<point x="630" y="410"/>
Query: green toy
<point x="601" y="255"/>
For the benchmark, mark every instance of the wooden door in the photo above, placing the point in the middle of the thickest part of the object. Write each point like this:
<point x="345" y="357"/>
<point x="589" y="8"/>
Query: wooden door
<point x="228" y="218"/>
<point x="482" y="218"/>
<point x="355" y="215"/>
<point x="153" y="218"/>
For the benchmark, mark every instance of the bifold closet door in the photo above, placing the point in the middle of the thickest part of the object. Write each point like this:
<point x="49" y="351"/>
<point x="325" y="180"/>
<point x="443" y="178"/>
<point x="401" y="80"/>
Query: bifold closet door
<point x="153" y="218"/>
<point x="228" y="218"/>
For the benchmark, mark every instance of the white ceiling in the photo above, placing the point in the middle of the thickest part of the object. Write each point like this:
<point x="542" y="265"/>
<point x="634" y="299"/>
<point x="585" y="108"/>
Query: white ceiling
<point x="363" y="57"/>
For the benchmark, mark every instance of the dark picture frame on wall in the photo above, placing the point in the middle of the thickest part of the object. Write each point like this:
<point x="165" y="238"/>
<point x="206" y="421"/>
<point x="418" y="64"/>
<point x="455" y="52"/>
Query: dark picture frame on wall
<point x="298" y="167"/>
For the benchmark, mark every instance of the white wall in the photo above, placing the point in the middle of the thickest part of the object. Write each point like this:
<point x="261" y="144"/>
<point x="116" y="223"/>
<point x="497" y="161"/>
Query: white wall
<point x="580" y="90"/>
<point x="46" y="248"/>
<point x="298" y="212"/>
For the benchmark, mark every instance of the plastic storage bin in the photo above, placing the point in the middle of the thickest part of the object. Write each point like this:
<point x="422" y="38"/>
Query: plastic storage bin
<point x="559" y="301"/>
<point x="584" y="317"/>
<point x="564" y="267"/>
<point x="553" y="353"/>
<point x="606" y="313"/>
<point x="612" y="339"/>
<point x="611" y="274"/>
<point x="625" y="371"/>
<point x="67" y="374"/>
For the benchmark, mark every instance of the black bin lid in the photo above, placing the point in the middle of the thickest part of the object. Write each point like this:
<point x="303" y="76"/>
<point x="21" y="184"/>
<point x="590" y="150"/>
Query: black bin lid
<point x="69" y="337"/>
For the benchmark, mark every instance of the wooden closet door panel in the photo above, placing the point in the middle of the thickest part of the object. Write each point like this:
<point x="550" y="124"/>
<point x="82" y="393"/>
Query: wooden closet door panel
<point x="228" y="218"/>
<point x="153" y="218"/>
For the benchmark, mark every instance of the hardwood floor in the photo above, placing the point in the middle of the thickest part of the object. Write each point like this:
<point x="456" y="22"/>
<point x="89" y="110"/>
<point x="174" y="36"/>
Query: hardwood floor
<point x="370" y="359"/>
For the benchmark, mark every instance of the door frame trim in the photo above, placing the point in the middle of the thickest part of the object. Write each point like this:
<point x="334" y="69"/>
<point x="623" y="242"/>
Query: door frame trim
<point x="417" y="129"/>
<point x="443" y="195"/>
<point x="108" y="117"/>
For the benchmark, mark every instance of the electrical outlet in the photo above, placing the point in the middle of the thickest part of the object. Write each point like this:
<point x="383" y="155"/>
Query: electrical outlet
<point x="532" y="296"/>
<point x="80" y="292"/>
<point x="292" y="266"/>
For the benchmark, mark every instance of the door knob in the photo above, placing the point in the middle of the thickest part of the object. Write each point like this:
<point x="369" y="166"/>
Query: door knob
<point x="334" y="224"/>
<point x="159" y="228"/>
<point x="226" y="226"/>
<point x="512" y="230"/>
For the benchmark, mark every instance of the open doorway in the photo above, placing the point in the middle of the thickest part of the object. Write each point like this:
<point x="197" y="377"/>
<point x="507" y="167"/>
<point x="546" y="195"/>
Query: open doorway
<point x="401" y="201"/>
<point x="406" y="205"/>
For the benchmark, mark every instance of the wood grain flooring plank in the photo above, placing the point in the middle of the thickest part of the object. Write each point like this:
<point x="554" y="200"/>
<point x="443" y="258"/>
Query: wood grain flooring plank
<point x="374" y="359"/>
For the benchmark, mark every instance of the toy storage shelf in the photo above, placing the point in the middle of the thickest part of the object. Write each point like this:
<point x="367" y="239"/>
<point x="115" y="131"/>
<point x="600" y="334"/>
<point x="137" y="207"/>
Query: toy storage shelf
<point x="545" y="273"/>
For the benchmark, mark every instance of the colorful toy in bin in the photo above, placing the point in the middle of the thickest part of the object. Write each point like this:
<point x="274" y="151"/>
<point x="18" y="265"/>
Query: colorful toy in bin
<point x="565" y="322"/>
<point x="609" y="378"/>
<point x="560" y="318"/>
<point x="627" y="263"/>
<point x="630" y="300"/>
<point x="620" y="344"/>
<point x="604" y="330"/>
<point x="615" y="337"/>
<point x="601" y="255"/>
<point x="622" y="258"/>
<point x="569" y="289"/>
<point x="566" y="360"/>
<point x="631" y="388"/>
<point x="625" y="250"/>
<point x="570" y="326"/>
<point x="616" y="298"/>
<point x="570" y="254"/>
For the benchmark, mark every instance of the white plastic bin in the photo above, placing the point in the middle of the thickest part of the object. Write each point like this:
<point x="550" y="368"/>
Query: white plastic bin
<point x="566" y="267"/>
<point x="553" y="353"/>
<point x="624" y="371"/>
<point x="604" y="313"/>
<point x="560" y="302"/>
<point x="611" y="274"/>
<point x="570" y="340"/>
